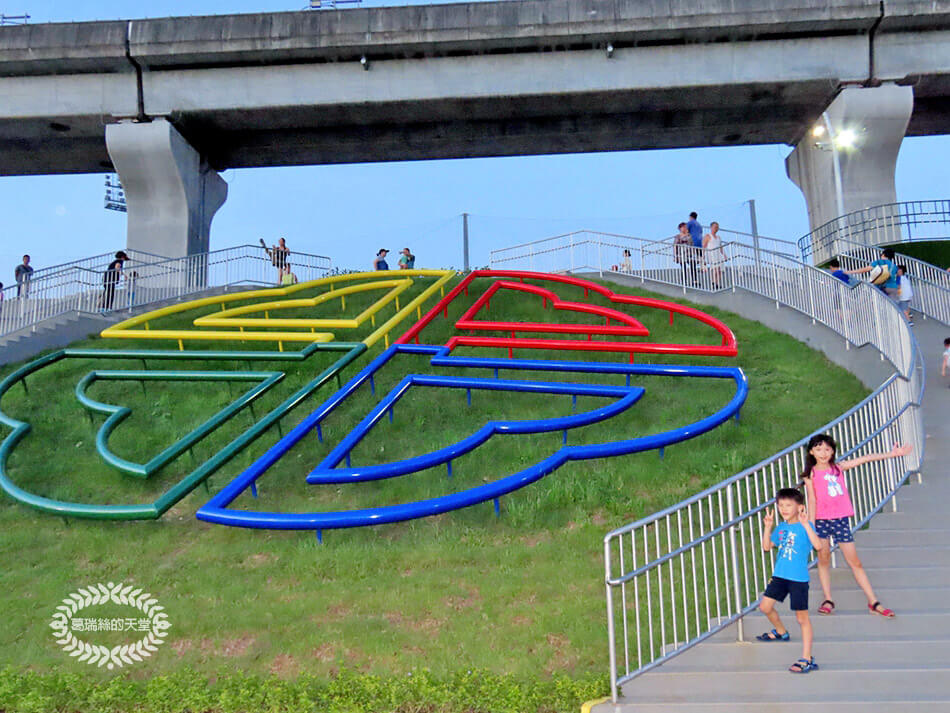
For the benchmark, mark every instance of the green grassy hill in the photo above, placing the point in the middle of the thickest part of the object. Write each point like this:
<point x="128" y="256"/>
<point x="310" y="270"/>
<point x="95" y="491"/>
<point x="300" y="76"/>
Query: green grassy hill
<point x="520" y="594"/>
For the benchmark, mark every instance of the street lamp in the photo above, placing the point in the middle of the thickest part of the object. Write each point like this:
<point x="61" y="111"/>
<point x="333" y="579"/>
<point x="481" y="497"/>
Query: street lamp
<point x="845" y="139"/>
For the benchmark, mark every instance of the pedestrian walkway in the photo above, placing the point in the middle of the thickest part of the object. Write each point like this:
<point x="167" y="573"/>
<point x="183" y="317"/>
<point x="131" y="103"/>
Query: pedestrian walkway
<point x="868" y="663"/>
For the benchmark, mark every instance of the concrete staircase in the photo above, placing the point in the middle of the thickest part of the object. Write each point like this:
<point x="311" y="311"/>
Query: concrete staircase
<point x="53" y="333"/>
<point x="64" y="329"/>
<point x="868" y="663"/>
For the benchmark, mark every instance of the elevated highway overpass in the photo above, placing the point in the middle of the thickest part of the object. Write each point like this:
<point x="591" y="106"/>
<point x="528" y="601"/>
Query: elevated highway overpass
<point x="169" y="102"/>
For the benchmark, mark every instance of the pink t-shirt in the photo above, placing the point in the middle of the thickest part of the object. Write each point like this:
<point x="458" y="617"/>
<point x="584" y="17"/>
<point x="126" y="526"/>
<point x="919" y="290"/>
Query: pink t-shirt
<point x="831" y="495"/>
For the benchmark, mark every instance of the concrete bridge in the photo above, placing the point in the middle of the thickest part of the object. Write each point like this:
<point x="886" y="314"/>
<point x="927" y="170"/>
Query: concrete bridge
<point x="170" y="102"/>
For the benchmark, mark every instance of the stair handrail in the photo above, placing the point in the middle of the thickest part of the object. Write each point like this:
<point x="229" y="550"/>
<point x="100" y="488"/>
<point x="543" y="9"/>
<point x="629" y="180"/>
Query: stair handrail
<point x="888" y="223"/>
<point x="80" y="289"/>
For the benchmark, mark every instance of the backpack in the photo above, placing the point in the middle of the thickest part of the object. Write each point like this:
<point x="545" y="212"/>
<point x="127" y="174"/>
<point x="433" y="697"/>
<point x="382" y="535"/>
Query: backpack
<point x="879" y="274"/>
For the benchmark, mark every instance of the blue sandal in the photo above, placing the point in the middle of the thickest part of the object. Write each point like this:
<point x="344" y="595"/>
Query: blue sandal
<point x="773" y="636"/>
<point x="804" y="666"/>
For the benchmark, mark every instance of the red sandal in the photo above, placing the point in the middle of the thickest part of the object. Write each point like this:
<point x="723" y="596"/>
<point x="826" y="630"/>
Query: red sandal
<point x="876" y="608"/>
<point x="827" y="607"/>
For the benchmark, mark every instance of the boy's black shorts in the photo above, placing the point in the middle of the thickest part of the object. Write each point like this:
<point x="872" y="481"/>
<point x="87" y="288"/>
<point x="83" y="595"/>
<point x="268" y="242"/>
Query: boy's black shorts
<point x="779" y="588"/>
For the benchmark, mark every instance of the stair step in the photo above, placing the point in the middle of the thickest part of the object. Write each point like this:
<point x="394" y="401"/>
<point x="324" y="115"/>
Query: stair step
<point x="853" y="704"/>
<point x="924" y="576"/>
<point x="904" y="520"/>
<point x="883" y="654"/>
<point x="890" y="555"/>
<point x="858" y="627"/>
<point x="852" y="599"/>
<point x="876" y="537"/>
<point x="832" y="682"/>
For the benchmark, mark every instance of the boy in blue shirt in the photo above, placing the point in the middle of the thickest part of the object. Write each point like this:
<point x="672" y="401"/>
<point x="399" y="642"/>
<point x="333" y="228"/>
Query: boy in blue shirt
<point x="795" y="539"/>
<point x="835" y="266"/>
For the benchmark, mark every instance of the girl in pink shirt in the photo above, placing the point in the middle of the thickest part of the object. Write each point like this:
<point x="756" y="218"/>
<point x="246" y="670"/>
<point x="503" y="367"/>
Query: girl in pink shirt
<point x="830" y="508"/>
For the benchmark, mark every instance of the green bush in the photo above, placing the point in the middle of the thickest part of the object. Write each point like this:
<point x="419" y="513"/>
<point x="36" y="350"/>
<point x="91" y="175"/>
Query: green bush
<point x="346" y="692"/>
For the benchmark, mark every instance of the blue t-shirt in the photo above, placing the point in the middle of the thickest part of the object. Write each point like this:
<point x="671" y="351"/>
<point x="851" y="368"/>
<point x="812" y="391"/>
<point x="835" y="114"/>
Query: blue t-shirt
<point x="842" y="275"/>
<point x="892" y="280"/>
<point x="695" y="232"/>
<point x="791" y="562"/>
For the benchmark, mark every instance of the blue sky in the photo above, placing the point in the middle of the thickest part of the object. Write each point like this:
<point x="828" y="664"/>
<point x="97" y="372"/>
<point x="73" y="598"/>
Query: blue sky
<point x="349" y="211"/>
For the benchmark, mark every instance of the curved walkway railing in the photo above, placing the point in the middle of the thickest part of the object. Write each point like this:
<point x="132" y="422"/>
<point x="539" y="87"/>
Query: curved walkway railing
<point x="78" y="287"/>
<point x="537" y="255"/>
<point x="677" y="577"/>
<point x="892" y="223"/>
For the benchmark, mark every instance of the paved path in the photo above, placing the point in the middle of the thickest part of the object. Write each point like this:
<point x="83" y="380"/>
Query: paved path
<point x="868" y="664"/>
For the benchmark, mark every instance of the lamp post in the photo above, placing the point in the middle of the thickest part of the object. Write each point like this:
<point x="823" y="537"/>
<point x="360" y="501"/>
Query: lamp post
<point x="836" y="162"/>
<point x="844" y="139"/>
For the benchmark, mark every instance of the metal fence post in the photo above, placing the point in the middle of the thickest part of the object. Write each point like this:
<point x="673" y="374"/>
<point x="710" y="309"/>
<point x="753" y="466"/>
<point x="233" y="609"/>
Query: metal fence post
<point x="734" y="556"/>
<point x="611" y="633"/>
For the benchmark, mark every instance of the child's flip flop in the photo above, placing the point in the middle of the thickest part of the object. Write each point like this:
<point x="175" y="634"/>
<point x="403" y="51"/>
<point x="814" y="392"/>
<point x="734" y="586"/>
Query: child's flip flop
<point x="827" y="607"/>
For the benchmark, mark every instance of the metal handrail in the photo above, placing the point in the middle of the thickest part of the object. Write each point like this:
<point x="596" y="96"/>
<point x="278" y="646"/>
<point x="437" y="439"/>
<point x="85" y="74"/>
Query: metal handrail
<point x="80" y="287"/>
<point x="679" y="576"/>
<point x="887" y="224"/>
<point x="500" y="255"/>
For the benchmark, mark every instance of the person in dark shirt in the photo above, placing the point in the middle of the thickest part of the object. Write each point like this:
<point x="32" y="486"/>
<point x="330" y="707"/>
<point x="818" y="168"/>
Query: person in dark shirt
<point x="23" y="273"/>
<point x="835" y="266"/>
<point x="694" y="252"/>
<point x="379" y="263"/>
<point x="111" y="278"/>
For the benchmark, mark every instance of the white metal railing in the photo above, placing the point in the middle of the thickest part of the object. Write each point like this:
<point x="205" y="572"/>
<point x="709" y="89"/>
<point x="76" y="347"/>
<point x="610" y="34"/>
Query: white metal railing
<point x="887" y="224"/>
<point x="98" y="262"/>
<point x="539" y="253"/>
<point x="677" y="577"/>
<point x="78" y="288"/>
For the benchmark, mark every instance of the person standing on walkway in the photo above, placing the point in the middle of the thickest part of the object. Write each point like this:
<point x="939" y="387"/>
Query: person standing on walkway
<point x="407" y="261"/>
<point x="713" y="255"/>
<point x="278" y="255"/>
<point x="905" y="293"/>
<point x="681" y="253"/>
<point x="795" y="538"/>
<point x="695" y="249"/>
<point x="23" y="274"/>
<point x="111" y="278"/>
<point x="831" y="509"/>
<point x="379" y="262"/>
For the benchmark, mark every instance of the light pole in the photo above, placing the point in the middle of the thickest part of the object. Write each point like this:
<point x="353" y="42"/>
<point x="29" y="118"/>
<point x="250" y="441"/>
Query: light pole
<point x="844" y="139"/>
<point x="836" y="162"/>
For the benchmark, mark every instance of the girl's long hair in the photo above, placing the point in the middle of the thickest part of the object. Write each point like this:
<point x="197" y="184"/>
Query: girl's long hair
<point x="810" y="461"/>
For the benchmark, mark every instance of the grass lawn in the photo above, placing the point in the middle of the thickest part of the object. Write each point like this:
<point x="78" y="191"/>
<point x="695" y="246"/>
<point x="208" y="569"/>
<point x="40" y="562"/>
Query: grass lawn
<point x="521" y="593"/>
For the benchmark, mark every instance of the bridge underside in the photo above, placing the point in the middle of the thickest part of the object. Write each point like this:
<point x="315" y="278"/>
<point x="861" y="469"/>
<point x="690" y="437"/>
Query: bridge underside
<point x="733" y="115"/>
<point x="444" y="128"/>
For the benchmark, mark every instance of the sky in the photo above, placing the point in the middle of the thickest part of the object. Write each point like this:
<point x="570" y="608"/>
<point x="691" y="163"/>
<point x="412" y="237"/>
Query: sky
<point x="348" y="212"/>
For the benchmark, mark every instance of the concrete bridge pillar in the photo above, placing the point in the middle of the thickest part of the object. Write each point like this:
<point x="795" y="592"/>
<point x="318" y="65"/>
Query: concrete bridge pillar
<point x="171" y="193"/>
<point x="863" y="175"/>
